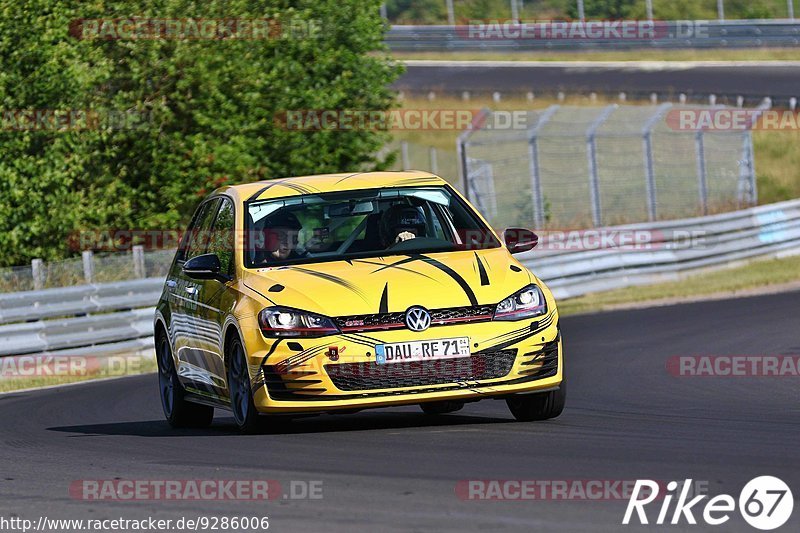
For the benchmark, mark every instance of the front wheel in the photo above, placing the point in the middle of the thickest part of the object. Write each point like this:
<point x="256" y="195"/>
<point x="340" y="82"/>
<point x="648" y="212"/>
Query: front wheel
<point x="179" y="412"/>
<point x="542" y="406"/>
<point x="244" y="410"/>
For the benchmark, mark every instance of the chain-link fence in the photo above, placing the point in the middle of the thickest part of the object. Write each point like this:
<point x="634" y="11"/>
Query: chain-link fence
<point x="581" y="167"/>
<point x="89" y="268"/>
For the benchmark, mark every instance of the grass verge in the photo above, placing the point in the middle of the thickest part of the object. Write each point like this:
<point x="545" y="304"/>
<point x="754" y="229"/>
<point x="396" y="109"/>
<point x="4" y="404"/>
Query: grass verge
<point x="751" y="278"/>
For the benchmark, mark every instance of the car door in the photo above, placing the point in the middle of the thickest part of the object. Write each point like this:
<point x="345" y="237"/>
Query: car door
<point x="190" y="330"/>
<point x="216" y="300"/>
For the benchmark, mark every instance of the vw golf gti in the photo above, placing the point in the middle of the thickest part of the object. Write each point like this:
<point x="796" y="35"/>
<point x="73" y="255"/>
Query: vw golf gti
<point x="342" y="292"/>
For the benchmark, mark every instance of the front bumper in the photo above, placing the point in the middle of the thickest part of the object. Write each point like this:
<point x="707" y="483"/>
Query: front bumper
<point x="299" y="376"/>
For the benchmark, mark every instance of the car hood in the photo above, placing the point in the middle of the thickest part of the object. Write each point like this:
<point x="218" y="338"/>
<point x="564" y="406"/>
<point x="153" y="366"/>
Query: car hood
<point x="392" y="284"/>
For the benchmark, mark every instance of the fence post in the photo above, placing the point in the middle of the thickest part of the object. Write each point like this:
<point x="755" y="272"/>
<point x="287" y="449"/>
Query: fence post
<point x="514" y="10"/>
<point x="790" y="4"/>
<point x="404" y="155"/>
<point x="138" y="261"/>
<point x="649" y="8"/>
<point x="88" y="266"/>
<point x="37" y="271"/>
<point x="649" y="165"/>
<point x="451" y="15"/>
<point x="721" y="9"/>
<point x="383" y="11"/>
<point x="434" y="160"/>
<point x="581" y="11"/>
<point x="702" y="178"/>
<point x="461" y="149"/>
<point x="537" y="195"/>
<point x="591" y="153"/>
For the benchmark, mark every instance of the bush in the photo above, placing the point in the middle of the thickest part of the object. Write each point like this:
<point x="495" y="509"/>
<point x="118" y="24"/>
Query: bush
<point x="208" y="110"/>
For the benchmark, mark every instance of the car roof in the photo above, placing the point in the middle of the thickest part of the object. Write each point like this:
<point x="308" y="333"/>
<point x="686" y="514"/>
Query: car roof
<point x="323" y="183"/>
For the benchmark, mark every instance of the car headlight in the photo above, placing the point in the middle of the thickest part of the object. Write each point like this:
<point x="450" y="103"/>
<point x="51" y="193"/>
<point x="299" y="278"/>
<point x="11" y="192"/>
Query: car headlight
<point x="527" y="303"/>
<point x="286" y="322"/>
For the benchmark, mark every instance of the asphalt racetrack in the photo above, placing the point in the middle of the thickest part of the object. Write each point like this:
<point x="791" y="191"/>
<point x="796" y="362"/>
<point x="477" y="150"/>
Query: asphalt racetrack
<point x="751" y="80"/>
<point x="397" y="470"/>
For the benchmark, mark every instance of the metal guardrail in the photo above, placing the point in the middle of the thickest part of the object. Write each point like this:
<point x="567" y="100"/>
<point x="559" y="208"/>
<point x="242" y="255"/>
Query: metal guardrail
<point x="668" y="35"/>
<point x="678" y="247"/>
<point x="117" y="317"/>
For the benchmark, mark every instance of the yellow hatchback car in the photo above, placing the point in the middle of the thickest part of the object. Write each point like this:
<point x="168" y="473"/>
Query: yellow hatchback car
<point x="336" y="293"/>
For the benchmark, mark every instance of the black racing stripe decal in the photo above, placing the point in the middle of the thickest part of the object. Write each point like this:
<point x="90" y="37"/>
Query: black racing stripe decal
<point x="259" y="293"/>
<point x="265" y="189"/>
<point x="399" y="263"/>
<point x="456" y="277"/>
<point x="482" y="271"/>
<point x="271" y="351"/>
<point x="401" y="268"/>
<point x="384" y="307"/>
<point x="333" y="279"/>
<point x="515" y="268"/>
<point x="348" y="177"/>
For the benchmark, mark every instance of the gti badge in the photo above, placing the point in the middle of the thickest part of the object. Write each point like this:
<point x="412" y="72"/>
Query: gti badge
<point x="418" y="318"/>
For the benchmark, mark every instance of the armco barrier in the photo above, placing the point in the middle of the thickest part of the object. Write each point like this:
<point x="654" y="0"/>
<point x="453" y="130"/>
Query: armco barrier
<point x="669" y="35"/>
<point x="115" y="318"/>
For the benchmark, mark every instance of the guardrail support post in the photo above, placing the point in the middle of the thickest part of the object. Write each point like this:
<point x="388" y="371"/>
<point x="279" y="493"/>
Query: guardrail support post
<point x="537" y="195"/>
<point x="790" y="5"/>
<point x="649" y="164"/>
<point x="88" y="266"/>
<point x="37" y="271"/>
<point x="451" y="15"/>
<point x="581" y="11"/>
<point x="138" y="261"/>
<point x="721" y="9"/>
<point x="702" y="178"/>
<point x="649" y="7"/>
<point x="591" y="153"/>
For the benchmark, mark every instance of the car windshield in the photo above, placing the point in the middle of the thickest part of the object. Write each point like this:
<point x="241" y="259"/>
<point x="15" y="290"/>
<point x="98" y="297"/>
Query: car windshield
<point x="356" y="224"/>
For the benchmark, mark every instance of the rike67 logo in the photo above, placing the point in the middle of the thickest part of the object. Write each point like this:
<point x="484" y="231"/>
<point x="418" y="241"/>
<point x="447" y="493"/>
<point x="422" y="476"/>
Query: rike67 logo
<point x="766" y="503"/>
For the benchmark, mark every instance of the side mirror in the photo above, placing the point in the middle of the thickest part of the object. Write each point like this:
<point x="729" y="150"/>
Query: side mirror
<point x="520" y="240"/>
<point x="205" y="266"/>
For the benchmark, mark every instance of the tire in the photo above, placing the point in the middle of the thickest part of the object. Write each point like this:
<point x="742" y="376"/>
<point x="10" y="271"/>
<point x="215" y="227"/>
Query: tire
<point x="441" y="408"/>
<point x="179" y="412"/>
<point x="241" y="394"/>
<point x="542" y="406"/>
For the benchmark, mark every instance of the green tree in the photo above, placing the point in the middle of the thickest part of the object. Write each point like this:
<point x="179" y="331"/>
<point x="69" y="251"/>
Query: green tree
<point x="210" y="108"/>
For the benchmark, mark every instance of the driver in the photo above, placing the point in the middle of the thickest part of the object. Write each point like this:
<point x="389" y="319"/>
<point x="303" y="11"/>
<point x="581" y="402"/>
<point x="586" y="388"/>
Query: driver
<point x="402" y="223"/>
<point x="281" y="237"/>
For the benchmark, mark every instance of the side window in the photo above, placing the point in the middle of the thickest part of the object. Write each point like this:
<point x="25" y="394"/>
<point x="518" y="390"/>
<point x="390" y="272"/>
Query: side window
<point x="199" y="234"/>
<point x="222" y="236"/>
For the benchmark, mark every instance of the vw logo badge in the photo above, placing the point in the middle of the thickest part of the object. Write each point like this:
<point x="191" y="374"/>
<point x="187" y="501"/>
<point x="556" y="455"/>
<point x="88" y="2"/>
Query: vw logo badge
<point x="418" y="319"/>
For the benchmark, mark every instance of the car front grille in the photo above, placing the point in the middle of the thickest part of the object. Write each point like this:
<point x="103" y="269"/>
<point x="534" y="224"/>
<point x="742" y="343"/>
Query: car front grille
<point x="367" y="376"/>
<point x="439" y="317"/>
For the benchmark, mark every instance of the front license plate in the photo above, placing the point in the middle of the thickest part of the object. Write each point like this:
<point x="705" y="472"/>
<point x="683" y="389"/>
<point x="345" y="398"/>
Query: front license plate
<point x="403" y="352"/>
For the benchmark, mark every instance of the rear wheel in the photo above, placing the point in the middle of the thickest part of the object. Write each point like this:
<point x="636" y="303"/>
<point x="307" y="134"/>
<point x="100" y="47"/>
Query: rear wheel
<point x="179" y="412"/>
<point x="241" y="393"/>
<point x="441" y="408"/>
<point x="542" y="406"/>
